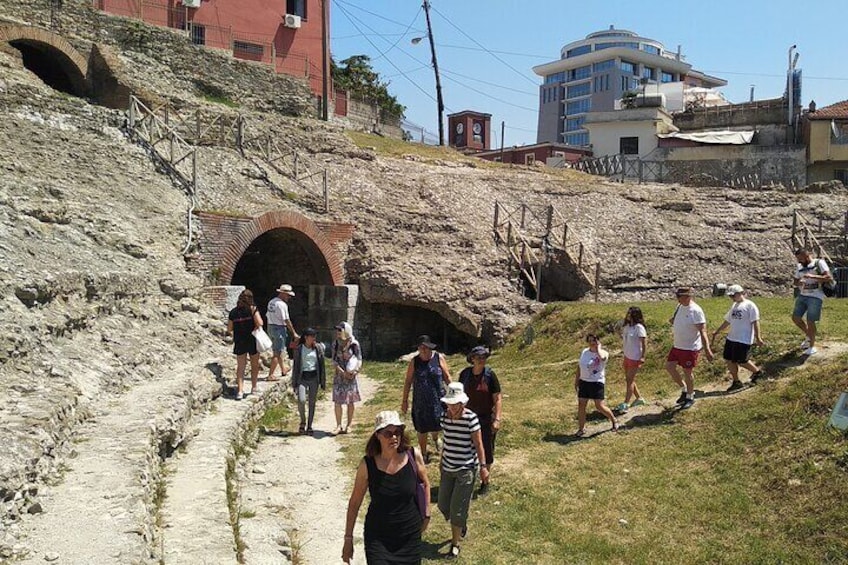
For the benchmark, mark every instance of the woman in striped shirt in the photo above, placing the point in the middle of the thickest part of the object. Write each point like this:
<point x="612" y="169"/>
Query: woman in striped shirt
<point x="462" y="453"/>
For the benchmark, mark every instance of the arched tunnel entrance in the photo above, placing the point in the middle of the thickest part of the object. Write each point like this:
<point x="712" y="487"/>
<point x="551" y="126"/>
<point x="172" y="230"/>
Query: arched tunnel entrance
<point x="282" y="256"/>
<point x="391" y="330"/>
<point x="52" y="66"/>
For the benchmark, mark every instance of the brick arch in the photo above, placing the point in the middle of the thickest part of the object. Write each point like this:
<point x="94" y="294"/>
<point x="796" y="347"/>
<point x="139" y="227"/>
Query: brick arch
<point x="67" y="57"/>
<point x="286" y="220"/>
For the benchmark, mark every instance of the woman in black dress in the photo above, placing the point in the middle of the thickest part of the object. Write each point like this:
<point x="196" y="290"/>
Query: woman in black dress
<point x="243" y="320"/>
<point x="394" y="523"/>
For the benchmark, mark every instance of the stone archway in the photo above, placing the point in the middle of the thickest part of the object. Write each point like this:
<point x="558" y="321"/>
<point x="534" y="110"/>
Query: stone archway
<point x="279" y="220"/>
<point x="50" y="56"/>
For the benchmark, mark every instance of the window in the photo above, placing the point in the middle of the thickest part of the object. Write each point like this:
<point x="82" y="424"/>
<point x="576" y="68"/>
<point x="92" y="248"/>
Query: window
<point x="573" y="124"/>
<point x="244" y="50"/>
<point x="578" y="106"/>
<point x="577" y="139"/>
<point x="529" y="159"/>
<point x="296" y="7"/>
<point x="841" y="175"/>
<point x="627" y="44"/>
<point x="559" y="153"/>
<point x="198" y="34"/>
<point x="582" y="89"/>
<point x="580" y="72"/>
<point x="603" y="65"/>
<point x="582" y="50"/>
<point x="649" y="73"/>
<point x="556" y="77"/>
<point x="628" y="67"/>
<point x="628" y="145"/>
<point x="667" y="77"/>
<point x="652" y="49"/>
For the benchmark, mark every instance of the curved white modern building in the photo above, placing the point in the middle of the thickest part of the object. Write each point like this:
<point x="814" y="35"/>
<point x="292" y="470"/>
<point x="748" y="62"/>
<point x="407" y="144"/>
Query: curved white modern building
<point x="591" y="74"/>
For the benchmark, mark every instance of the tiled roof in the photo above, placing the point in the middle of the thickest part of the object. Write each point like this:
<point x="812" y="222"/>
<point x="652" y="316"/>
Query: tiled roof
<point x="838" y="111"/>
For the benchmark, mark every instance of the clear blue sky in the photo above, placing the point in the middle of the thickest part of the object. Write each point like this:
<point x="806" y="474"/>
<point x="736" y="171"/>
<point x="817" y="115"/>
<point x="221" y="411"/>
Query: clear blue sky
<point x="486" y="48"/>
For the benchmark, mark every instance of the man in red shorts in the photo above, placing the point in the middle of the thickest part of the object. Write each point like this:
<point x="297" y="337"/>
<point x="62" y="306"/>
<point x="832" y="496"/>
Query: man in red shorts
<point x="689" y="327"/>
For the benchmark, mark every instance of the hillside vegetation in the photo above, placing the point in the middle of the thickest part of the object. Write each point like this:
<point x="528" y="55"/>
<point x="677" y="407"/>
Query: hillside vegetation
<point x="750" y="477"/>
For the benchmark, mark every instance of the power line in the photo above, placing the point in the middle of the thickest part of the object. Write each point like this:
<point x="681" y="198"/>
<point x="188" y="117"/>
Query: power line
<point x="403" y="34"/>
<point x="770" y="75"/>
<point x="525" y="77"/>
<point x="353" y="22"/>
<point x="491" y="83"/>
<point x="467" y="48"/>
<point x="376" y="15"/>
<point x="487" y="95"/>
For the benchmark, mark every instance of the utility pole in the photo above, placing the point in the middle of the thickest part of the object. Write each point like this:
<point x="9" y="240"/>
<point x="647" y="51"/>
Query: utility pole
<point x="325" y="59"/>
<point x="439" y="103"/>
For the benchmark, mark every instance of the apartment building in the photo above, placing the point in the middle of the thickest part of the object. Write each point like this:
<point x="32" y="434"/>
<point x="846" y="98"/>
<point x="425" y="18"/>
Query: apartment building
<point x="591" y="74"/>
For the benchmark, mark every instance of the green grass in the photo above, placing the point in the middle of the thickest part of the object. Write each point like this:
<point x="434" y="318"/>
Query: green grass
<point x="748" y="478"/>
<point x="220" y="99"/>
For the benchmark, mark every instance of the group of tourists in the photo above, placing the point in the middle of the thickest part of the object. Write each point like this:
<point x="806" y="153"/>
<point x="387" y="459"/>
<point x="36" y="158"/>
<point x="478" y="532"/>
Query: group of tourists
<point x="308" y="370"/>
<point x="689" y="329"/>
<point x="462" y="418"/>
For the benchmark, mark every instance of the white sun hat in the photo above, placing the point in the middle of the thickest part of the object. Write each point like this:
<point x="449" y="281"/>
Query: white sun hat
<point x="455" y="395"/>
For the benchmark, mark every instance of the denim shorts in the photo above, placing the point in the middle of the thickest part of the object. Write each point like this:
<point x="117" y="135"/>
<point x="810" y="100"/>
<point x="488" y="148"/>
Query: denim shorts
<point x="810" y="305"/>
<point x="279" y="338"/>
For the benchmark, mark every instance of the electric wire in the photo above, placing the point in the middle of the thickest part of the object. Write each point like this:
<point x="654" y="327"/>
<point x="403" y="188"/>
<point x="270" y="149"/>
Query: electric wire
<point x="460" y="30"/>
<point x="352" y="19"/>
<point x="376" y="15"/>
<point x="403" y="34"/>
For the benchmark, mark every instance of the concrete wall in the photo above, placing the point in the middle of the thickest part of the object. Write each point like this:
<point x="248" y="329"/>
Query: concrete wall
<point x="782" y="164"/>
<point x="548" y="124"/>
<point x="756" y="113"/>
<point x="825" y="170"/>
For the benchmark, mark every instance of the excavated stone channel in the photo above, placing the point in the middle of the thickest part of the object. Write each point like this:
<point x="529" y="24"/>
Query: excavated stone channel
<point x="198" y="525"/>
<point x="104" y="509"/>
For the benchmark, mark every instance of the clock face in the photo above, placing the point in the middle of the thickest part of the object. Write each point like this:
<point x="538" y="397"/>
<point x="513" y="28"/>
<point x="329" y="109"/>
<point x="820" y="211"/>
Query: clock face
<point x="477" y="128"/>
<point x="459" y="127"/>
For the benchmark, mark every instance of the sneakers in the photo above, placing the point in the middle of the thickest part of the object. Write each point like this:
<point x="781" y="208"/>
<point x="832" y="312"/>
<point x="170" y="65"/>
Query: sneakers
<point x="638" y="402"/>
<point x="756" y="376"/>
<point x="302" y="428"/>
<point x="735" y="385"/>
<point x="682" y="398"/>
<point x="453" y="553"/>
<point x="689" y="403"/>
<point x="805" y="344"/>
<point x="310" y="431"/>
<point x="810" y="351"/>
<point x="483" y="490"/>
<point x="622" y="408"/>
<point x="239" y="396"/>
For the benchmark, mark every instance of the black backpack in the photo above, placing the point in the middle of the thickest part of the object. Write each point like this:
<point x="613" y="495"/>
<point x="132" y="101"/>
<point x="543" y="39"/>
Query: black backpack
<point x="828" y="288"/>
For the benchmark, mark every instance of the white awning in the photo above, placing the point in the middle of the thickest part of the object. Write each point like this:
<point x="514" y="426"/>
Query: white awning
<point x="723" y="137"/>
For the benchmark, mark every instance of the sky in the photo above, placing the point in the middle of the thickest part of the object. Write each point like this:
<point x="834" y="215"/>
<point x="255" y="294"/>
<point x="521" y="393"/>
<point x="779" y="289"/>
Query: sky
<point x="486" y="48"/>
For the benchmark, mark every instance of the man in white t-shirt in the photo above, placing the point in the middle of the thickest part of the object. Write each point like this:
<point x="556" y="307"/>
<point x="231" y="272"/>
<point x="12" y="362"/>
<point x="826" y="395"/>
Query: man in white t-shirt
<point x="689" y="327"/>
<point x="278" y="322"/>
<point x="810" y="275"/>
<point x="743" y="318"/>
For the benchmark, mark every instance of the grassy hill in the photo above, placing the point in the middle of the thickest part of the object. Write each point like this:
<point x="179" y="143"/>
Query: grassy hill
<point x="749" y="477"/>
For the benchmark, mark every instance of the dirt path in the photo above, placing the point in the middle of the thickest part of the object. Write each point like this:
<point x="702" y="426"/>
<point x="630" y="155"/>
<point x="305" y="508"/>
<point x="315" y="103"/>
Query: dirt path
<point x="706" y="392"/>
<point x="298" y="483"/>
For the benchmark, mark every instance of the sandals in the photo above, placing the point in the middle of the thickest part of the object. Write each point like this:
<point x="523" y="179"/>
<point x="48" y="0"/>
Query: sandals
<point x="301" y="429"/>
<point x="580" y="433"/>
<point x="615" y="426"/>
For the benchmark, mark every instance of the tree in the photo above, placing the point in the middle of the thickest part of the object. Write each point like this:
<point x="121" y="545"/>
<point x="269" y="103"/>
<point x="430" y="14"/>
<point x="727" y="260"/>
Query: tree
<point x="356" y="75"/>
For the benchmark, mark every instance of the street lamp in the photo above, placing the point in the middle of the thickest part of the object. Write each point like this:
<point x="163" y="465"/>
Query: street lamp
<point x="439" y="103"/>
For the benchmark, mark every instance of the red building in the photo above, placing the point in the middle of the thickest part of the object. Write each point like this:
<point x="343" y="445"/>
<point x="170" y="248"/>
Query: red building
<point x="285" y="34"/>
<point x="537" y="153"/>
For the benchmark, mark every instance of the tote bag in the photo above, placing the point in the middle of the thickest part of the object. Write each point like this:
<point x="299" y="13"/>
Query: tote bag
<point x="263" y="342"/>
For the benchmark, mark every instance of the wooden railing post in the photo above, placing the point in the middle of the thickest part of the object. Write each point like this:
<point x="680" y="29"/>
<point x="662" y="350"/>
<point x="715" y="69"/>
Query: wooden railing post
<point x="580" y="258"/>
<point x="597" y="279"/>
<point x="295" y="165"/>
<point x="495" y="225"/>
<point x="565" y="236"/>
<point x="550" y="221"/>
<point x="326" y="193"/>
<point x="795" y="226"/>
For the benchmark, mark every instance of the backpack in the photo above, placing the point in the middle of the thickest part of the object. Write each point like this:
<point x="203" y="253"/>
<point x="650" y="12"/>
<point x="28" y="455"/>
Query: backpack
<point x="828" y="288"/>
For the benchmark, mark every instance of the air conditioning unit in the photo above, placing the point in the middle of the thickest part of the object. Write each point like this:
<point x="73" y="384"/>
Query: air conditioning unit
<point x="292" y="21"/>
<point x="191" y="3"/>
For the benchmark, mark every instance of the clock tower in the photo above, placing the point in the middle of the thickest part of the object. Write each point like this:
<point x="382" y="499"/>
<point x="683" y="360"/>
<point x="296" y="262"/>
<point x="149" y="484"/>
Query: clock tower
<point x="470" y="131"/>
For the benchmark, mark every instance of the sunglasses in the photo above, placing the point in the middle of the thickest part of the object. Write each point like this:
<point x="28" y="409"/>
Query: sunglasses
<point x="391" y="432"/>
